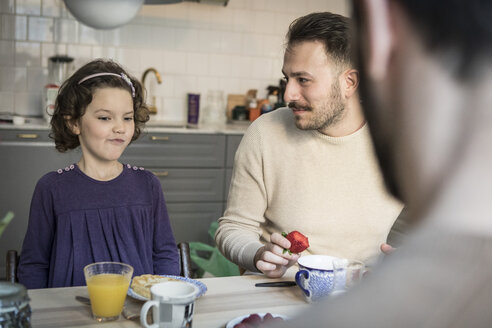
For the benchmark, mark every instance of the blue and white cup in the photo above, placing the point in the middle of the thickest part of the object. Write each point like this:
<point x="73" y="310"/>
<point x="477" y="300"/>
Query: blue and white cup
<point x="316" y="277"/>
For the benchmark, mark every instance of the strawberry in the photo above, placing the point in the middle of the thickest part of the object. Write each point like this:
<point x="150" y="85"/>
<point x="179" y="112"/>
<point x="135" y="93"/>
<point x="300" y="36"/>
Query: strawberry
<point x="298" y="242"/>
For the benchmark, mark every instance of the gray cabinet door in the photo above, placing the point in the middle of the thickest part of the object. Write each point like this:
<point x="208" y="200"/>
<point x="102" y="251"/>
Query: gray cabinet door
<point x="191" y="185"/>
<point x="190" y="221"/>
<point x="21" y="166"/>
<point x="232" y="144"/>
<point x="176" y="150"/>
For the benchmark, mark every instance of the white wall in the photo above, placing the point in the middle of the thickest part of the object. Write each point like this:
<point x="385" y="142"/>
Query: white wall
<point x="195" y="47"/>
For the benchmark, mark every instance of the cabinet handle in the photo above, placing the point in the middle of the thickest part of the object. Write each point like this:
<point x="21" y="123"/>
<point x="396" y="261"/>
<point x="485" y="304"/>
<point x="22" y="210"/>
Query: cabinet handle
<point x="27" y="136"/>
<point x="165" y="138"/>
<point x="161" y="174"/>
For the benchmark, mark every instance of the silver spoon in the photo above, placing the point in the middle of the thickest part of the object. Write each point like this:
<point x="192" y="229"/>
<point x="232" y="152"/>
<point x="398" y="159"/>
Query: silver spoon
<point x="125" y="313"/>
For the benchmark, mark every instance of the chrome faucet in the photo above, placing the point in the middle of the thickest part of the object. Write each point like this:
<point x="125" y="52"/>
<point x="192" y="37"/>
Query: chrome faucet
<point x="152" y="106"/>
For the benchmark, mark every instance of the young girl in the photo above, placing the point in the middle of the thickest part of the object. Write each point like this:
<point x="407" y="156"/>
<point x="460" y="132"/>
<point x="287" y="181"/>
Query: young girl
<point x="97" y="209"/>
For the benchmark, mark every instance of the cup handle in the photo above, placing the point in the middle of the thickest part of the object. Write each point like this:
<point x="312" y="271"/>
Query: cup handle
<point x="301" y="277"/>
<point x="143" y="313"/>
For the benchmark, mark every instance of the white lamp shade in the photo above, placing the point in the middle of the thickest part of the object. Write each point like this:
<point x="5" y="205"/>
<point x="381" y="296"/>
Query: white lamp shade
<point x="104" y="14"/>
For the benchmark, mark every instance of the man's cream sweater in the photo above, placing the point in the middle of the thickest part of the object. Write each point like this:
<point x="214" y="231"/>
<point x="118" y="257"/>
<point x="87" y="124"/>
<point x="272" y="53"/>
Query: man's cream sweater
<point x="328" y="188"/>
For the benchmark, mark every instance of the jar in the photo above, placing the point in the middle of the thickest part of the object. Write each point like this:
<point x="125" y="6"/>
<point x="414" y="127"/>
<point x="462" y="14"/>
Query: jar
<point x="14" y="306"/>
<point x="215" y="110"/>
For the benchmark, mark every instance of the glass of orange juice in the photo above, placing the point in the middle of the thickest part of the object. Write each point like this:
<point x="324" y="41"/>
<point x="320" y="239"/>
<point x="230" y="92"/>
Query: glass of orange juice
<point x="107" y="283"/>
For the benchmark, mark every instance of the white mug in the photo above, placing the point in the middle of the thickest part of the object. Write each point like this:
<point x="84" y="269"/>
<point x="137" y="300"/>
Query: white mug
<point x="173" y="303"/>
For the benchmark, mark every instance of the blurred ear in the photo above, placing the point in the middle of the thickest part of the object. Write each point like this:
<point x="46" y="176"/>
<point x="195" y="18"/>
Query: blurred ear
<point x="379" y="37"/>
<point x="351" y="82"/>
<point x="72" y="125"/>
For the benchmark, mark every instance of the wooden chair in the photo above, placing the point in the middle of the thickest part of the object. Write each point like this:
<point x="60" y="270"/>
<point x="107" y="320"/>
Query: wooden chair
<point x="183" y="250"/>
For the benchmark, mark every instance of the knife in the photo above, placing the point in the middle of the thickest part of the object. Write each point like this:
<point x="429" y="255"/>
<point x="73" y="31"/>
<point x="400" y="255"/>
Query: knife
<point x="276" y="284"/>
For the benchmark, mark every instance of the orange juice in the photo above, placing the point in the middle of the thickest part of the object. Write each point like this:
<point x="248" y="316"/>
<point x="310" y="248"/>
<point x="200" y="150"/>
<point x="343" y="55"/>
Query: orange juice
<point x="107" y="293"/>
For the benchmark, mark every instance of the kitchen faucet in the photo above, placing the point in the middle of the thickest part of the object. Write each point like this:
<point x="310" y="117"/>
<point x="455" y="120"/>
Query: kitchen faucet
<point x="152" y="106"/>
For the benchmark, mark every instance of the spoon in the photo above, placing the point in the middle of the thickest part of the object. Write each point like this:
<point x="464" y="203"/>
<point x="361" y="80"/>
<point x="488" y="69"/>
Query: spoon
<point x="125" y="313"/>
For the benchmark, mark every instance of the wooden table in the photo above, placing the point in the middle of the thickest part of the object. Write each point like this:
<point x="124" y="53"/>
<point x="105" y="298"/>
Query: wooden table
<point x="226" y="298"/>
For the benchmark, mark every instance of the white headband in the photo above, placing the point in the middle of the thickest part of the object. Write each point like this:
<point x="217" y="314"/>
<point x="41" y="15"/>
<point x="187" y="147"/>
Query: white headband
<point x="121" y="75"/>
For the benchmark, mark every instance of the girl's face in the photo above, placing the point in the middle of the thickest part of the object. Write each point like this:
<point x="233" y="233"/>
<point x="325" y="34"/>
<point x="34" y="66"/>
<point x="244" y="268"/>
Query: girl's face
<point x="107" y="126"/>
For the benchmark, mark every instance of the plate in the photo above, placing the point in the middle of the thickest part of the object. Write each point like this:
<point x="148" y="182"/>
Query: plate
<point x="201" y="287"/>
<point x="237" y="320"/>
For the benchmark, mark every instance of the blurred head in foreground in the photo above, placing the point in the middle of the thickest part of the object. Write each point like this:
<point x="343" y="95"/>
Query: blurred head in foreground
<point x="426" y="76"/>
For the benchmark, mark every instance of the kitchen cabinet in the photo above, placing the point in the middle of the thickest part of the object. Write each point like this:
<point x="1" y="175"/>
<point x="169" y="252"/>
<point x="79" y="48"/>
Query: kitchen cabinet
<point x="194" y="170"/>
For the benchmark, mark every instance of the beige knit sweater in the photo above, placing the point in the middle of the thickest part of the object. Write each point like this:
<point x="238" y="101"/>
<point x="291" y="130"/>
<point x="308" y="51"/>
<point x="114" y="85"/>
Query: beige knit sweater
<point x="328" y="188"/>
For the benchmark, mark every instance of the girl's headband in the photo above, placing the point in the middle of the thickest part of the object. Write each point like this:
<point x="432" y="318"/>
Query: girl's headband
<point x="121" y="75"/>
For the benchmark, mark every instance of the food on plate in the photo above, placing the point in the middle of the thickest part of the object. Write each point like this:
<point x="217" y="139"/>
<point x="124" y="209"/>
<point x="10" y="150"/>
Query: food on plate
<point x="298" y="242"/>
<point x="141" y="284"/>
<point x="255" y="320"/>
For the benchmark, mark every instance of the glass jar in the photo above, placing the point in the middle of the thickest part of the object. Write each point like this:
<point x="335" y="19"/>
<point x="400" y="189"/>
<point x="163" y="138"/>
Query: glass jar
<point x="14" y="306"/>
<point x="215" y="111"/>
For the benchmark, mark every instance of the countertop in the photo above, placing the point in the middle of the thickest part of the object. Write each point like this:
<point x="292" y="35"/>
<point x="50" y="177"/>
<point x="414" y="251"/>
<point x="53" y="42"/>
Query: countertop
<point x="230" y="128"/>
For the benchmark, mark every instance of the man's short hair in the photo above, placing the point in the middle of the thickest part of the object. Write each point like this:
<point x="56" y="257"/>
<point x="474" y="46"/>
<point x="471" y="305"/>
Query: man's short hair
<point x="332" y="30"/>
<point x="462" y="28"/>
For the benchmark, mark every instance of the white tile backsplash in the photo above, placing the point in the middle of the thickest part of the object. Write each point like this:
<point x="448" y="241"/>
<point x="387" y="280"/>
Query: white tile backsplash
<point x="7" y="6"/>
<point x="184" y="85"/>
<point x="6" y="101"/>
<point x="20" y="28"/>
<point x="195" y="47"/>
<point x="186" y="39"/>
<point x="209" y="41"/>
<point x="174" y="62"/>
<point x="27" y="54"/>
<point x="252" y="44"/>
<point x="28" y="103"/>
<point x="36" y="79"/>
<point x="28" y="7"/>
<point x="231" y="42"/>
<point x="66" y="30"/>
<point x="7" y="53"/>
<point x="199" y="16"/>
<point x="197" y="63"/>
<point x="220" y="65"/>
<point x="88" y="35"/>
<point x="40" y="29"/>
<point x="174" y="109"/>
<point x="52" y="8"/>
<point x="241" y="66"/>
<point x="162" y="37"/>
<point x="263" y="22"/>
<point x="104" y="52"/>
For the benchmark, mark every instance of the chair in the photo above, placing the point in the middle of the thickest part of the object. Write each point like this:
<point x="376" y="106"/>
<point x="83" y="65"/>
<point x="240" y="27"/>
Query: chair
<point x="184" y="259"/>
<point x="183" y="251"/>
<point x="11" y="265"/>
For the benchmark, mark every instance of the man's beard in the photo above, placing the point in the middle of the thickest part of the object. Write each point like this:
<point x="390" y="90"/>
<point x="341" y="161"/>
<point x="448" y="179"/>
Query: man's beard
<point x="329" y="113"/>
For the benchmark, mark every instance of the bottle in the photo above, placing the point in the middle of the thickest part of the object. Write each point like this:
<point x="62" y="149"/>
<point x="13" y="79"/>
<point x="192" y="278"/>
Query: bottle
<point x="193" y="109"/>
<point x="254" y="110"/>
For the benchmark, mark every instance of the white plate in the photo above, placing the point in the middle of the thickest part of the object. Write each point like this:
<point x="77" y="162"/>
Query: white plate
<point x="237" y="320"/>
<point x="201" y="286"/>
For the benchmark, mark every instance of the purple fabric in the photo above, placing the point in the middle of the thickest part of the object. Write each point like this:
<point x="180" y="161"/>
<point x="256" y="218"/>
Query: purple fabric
<point x="76" y="220"/>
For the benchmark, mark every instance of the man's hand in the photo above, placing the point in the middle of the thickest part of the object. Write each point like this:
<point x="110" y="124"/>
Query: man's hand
<point x="387" y="249"/>
<point x="271" y="259"/>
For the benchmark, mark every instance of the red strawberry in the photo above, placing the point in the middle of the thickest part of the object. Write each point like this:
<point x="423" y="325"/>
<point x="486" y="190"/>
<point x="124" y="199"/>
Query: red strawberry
<point x="298" y="242"/>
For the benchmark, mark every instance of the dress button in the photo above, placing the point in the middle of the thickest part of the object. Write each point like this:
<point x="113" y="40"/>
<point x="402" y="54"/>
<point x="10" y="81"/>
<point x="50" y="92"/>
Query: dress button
<point x="60" y="171"/>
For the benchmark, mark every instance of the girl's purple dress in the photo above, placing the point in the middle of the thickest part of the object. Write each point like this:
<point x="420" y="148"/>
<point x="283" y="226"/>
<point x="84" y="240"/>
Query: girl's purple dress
<point x="76" y="220"/>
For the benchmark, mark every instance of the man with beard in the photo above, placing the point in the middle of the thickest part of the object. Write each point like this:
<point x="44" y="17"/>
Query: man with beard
<point x="309" y="167"/>
<point x="426" y="73"/>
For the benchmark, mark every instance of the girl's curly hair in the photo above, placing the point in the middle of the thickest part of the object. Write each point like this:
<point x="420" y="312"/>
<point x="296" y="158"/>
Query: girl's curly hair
<point x="73" y="99"/>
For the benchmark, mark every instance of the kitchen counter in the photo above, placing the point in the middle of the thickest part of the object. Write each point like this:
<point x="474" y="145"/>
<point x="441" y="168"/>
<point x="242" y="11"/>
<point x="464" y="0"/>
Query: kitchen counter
<point x="230" y="129"/>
